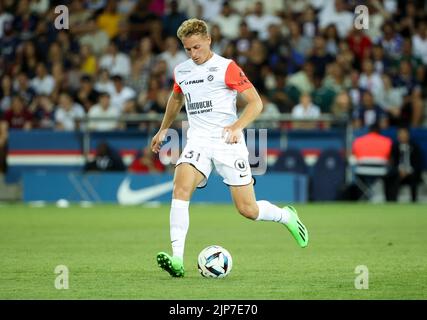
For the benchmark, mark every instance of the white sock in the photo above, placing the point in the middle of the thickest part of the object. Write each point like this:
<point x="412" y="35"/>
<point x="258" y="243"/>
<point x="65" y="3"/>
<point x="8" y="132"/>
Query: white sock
<point x="270" y="212"/>
<point x="179" y="223"/>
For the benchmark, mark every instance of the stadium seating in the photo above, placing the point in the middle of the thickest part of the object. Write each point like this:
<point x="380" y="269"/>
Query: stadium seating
<point x="291" y="160"/>
<point x="328" y="176"/>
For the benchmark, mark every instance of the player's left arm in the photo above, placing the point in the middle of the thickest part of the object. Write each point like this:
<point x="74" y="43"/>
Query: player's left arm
<point x="237" y="80"/>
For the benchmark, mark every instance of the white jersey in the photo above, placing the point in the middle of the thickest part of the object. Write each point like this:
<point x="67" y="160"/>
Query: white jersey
<point x="210" y="91"/>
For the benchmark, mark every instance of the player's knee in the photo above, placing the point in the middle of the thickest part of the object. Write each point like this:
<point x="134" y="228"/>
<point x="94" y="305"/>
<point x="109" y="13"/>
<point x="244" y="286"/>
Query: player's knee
<point x="182" y="192"/>
<point x="249" y="211"/>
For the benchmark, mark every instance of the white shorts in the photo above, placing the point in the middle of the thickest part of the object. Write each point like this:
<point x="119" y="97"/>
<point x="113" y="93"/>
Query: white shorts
<point x="230" y="160"/>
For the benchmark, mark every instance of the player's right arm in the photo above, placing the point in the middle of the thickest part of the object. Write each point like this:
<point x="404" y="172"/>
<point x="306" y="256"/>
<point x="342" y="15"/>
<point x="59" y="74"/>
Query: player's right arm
<point x="173" y="107"/>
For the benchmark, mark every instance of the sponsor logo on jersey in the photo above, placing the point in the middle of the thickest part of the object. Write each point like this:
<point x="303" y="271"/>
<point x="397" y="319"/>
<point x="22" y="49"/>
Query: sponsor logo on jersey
<point x="184" y="71"/>
<point x="199" y="107"/>
<point x="213" y="69"/>
<point x="240" y="164"/>
<point x="194" y="81"/>
<point x="210" y="77"/>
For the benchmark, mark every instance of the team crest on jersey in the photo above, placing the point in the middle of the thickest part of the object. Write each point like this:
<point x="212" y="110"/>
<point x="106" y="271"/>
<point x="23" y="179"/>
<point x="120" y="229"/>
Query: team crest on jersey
<point x="210" y="77"/>
<point x="240" y="164"/>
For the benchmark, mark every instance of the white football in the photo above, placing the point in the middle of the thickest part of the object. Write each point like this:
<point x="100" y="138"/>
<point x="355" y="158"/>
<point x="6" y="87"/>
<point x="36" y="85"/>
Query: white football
<point x="214" y="262"/>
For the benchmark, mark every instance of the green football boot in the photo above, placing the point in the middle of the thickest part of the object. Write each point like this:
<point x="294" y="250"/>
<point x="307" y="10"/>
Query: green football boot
<point x="173" y="265"/>
<point x="296" y="227"/>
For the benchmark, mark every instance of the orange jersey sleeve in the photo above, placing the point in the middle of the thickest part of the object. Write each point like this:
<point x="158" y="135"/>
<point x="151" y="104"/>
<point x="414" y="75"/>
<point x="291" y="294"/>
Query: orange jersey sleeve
<point x="176" y="87"/>
<point x="236" y="79"/>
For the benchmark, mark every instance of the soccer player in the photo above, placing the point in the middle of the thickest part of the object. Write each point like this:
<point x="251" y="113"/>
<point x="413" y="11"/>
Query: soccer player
<point x="208" y="84"/>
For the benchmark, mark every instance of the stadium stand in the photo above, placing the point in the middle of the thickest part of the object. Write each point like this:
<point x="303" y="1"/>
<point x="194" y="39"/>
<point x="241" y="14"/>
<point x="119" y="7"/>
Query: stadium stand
<point x="51" y="78"/>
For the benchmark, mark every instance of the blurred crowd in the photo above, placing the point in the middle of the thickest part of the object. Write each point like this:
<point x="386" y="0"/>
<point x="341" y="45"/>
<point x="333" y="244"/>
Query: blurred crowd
<point x="305" y="57"/>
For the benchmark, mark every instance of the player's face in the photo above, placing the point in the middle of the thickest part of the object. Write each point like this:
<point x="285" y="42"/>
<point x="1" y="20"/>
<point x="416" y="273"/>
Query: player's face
<point x="198" y="48"/>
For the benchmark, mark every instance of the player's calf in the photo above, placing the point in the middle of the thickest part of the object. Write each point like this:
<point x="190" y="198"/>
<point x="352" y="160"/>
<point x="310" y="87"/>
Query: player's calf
<point x="248" y="210"/>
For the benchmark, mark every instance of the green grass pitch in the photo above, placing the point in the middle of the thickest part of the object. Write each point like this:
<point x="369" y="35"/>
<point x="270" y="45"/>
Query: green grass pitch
<point x="110" y="253"/>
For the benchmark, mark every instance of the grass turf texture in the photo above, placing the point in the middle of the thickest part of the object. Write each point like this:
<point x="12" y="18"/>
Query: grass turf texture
<point x="110" y="252"/>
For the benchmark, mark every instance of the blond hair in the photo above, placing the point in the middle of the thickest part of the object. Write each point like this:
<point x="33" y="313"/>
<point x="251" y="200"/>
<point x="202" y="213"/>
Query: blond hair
<point x="192" y="27"/>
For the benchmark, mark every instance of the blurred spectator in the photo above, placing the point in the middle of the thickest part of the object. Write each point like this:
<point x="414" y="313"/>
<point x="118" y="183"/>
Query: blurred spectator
<point x="269" y="110"/>
<point x="360" y="44"/>
<point x="381" y="62"/>
<point x="157" y="7"/>
<point x="413" y="101"/>
<point x="88" y="62"/>
<point x="94" y="37"/>
<point x="44" y="112"/>
<point x="310" y="23"/>
<point x="334" y="79"/>
<point x="79" y="17"/>
<point x="336" y="12"/>
<point x="407" y="55"/>
<point x="68" y="113"/>
<point x="146" y="161"/>
<point x="406" y="166"/>
<point x="278" y="94"/>
<point x="331" y="40"/>
<point x="130" y="110"/>
<point x="25" y="21"/>
<point x="86" y="96"/>
<point x="22" y="88"/>
<point x="353" y="88"/>
<point x="209" y="9"/>
<point x="319" y="57"/>
<point x="3" y="146"/>
<point x="28" y="59"/>
<point x="303" y="80"/>
<point x="228" y="22"/>
<point x="143" y="62"/>
<point x="372" y="157"/>
<point x="43" y="83"/>
<point x="117" y="63"/>
<point x="9" y="42"/>
<point x="391" y="41"/>
<point x="305" y="110"/>
<point x="103" y="109"/>
<point x="218" y="42"/>
<point x="140" y="20"/>
<point x="95" y="5"/>
<point x="370" y="80"/>
<point x="419" y="42"/>
<point x="6" y="92"/>
<point x="256" y="66"/>
<point x="125" y="7"/>
<point x="109" y="19"/>
<point x="258" y="21"/>
<point x="300" y="45"/>
<point x="172" y="55"/>
<point x="120" y="93"/>
<point x="173" y="19"/>
<point x="18" y="116"/>
<point x="5" y="17"/>
<point x="106" y="159"/>
<point x="243" y="42"/>
<point x="104" y="82"/>
<point x="277" y="49"/>
<point x="391" y="100"/>
<point x="368" y="113"/>
<point x="342" y="107"/>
